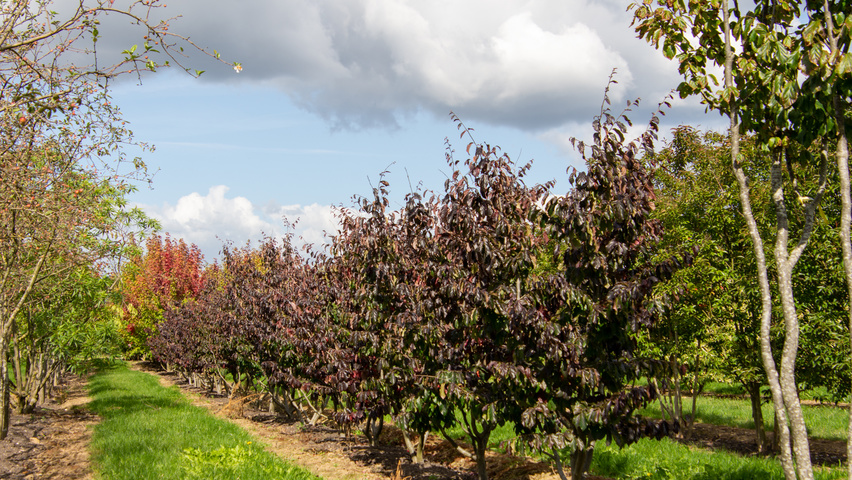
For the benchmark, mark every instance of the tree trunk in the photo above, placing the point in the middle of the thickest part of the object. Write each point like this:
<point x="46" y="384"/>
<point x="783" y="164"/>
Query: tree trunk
<point x="5" y="398"/>
<point x="421" y="445"/>
<point x="373" y="428"/>
<point x="479" y="435"/>
<point x="842" y="157"/>
<point x="786" y="260"/>
<point x="480" y="445"/>
<point x="753" y="389"/>
<point x="845" y="236"/>
<point x="415" y="450"/>
<point x="760" y="257"/>
<point x="581" y="461"/>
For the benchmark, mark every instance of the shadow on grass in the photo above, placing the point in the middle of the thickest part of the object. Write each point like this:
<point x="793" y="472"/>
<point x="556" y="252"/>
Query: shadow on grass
<point x="722" y="419"/>
<point x="665" y="459"/>
<point x="116" y="392"/>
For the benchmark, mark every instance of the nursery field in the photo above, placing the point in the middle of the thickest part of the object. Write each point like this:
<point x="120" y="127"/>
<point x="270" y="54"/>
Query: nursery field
<point x="141" y="423"/>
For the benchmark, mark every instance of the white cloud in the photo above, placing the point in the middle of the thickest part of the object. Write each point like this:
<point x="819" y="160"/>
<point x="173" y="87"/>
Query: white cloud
<point x="209" y="221"/>
<point x="530" y="64"/>
<point x="312" y="224"/>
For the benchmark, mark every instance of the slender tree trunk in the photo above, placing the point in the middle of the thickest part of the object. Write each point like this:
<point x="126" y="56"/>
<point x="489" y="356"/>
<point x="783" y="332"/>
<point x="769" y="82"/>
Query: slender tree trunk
<point x="842" y="154"/>
<point x="581" y="461"/>
<point x="753" y="389"/>
<point x="557" y="462"/>
<point x="785" y="264"/>
<point x="415" y="450"/>
<point x="760" y="257"/>
<point x="481" y="466"/>
<point x="842" y="158"/>
<point x="5" y="398"/>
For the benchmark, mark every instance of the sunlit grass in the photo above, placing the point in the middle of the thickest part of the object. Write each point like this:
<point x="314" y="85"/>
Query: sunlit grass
<point x="153" y="432"/>
<point x="666" y="459"/>
<point x="826" y="422"/>
<point x="499" y="436"/>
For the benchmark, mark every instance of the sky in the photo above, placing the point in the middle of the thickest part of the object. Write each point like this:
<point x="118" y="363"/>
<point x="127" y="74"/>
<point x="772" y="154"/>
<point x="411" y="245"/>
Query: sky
<point x="333" y="93"/>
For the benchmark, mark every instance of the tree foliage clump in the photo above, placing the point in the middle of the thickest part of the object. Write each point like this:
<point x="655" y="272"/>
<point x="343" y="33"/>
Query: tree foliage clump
<point x="64" y="165"/>
<point x="787" y="82"/>
<point x="489" y="302"/>
<point x="168" y="273"/>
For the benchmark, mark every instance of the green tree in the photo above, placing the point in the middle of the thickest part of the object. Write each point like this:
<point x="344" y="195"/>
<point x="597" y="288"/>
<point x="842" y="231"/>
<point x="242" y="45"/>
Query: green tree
<point x="71" y="322"/>
<point x="774" y="87"/>
<point x="56" y="120"/>
<point x="699" y="205"/>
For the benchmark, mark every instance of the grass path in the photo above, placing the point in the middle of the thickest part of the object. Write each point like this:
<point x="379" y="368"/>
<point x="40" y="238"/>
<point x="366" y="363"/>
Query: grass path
<point x="153" y="432"/>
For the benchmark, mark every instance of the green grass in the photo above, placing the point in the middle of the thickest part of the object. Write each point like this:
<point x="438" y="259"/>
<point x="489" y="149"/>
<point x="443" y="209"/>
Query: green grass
<point x="666" y="459"/>
<point x="826" y="422"/>
<point x="720" y="388"/>
<point x="499" y="435"/>
<point x="153" y="432"/>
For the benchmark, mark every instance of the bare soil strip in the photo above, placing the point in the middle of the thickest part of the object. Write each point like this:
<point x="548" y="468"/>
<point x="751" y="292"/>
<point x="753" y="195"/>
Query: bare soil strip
<point x="53" y="442"/>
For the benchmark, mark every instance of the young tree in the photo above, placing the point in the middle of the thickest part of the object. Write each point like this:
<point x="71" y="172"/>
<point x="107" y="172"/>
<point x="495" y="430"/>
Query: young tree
<point x="56" y="117"/>
<point x="68" y="323"/>
<point x="584" y="356"/>
<point x="775" y="85"/>
<point x="56" y="217"/>
<point x="169" y="273"/>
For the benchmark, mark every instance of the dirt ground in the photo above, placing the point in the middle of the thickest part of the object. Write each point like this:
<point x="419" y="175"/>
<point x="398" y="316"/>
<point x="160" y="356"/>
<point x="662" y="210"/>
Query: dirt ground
<point x="53" y="444"/>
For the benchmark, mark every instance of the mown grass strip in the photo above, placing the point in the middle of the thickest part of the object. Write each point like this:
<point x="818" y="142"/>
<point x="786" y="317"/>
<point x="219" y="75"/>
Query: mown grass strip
<point x="667" y="459"/>
<point x="826" y="422"/>
<point x="153" y="432"/>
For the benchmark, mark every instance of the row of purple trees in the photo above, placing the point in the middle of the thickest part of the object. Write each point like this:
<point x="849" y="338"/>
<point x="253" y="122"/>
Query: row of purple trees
<point x="490" y="302"/>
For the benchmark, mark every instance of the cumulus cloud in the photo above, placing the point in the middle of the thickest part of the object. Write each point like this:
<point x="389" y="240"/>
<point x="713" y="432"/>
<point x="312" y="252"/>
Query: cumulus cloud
<point x="312" y="224"/>
<point x="212" y="220"/>
<point x="529" y="64"/>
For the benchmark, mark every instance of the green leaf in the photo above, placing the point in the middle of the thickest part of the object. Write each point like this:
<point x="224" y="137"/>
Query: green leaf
<point x="844" y="66"/>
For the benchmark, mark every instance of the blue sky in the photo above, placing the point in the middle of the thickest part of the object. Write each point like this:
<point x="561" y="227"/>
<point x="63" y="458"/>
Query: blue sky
<point x="333" y="93"/>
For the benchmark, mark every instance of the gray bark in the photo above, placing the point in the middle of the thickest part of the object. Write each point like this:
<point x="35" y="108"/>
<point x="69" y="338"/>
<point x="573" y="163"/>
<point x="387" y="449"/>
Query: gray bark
<point x="842" y="158"/>
<point x="845" y="236"/>
<point x="762" y="273"/>
<point x="786" y="261"/>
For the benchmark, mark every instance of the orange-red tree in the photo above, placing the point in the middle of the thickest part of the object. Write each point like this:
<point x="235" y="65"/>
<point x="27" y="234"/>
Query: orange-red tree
<point x="166" y="275"/>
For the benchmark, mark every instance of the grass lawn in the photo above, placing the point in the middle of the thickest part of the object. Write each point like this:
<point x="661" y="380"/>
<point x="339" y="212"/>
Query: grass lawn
<point x="153" y="432"/>
<point x="826" y="422"/>
<point x="649" y="459"/>
<point x="666" y="459"/>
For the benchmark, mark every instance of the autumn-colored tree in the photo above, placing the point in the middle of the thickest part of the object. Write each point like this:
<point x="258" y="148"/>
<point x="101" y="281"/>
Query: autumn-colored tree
<point x="168" y="273"/>
<point x="588" y="308"/>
